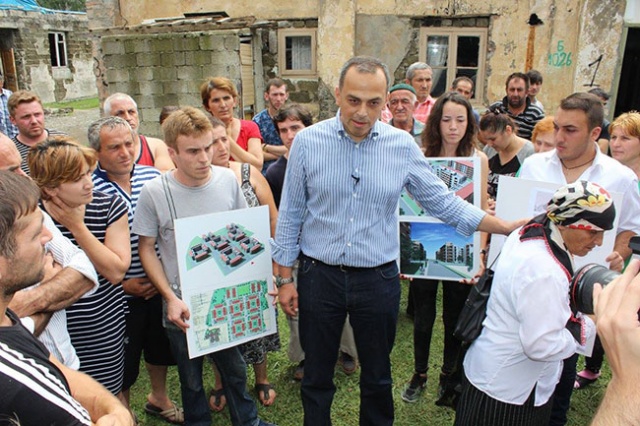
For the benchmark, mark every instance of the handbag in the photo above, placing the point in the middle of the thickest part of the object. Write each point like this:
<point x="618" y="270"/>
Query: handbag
<point x="472" y="315"/>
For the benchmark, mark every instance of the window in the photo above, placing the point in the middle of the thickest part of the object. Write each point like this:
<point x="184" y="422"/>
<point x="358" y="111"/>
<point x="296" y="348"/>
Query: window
<point x="297" y="52"/>
<point x="58" y="49"/>
<point x="454" y="52"/>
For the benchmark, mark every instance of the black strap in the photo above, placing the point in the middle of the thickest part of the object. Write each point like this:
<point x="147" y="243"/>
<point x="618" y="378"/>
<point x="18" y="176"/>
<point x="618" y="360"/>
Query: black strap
<point x="169" y="196"/>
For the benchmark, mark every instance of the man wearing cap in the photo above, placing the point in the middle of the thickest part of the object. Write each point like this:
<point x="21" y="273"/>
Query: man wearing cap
<point x="402" y="101"/>
<point x="513" y="366"/>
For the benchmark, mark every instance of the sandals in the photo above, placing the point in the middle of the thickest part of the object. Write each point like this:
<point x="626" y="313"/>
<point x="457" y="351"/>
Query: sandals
<point x="585" y="378"/>
<point x="219" y="400"/>
<point x="173" y="415"/>
<point x="263" y="390"/>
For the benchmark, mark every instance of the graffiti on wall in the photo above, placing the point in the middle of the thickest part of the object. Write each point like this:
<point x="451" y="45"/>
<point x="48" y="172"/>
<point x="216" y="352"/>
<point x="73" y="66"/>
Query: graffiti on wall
<point x="560" y="58"/>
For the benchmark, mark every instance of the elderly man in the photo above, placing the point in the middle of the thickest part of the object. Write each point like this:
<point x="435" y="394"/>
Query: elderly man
<point x="42" y="307"/>
<point x="518" y="105"/>
<point x="27" y="114"/>
<point x="420" y="76"/>
<point x="275" y="95"/>
<point x="116" y="173"/>
<point x="402" y="103"/>
<point x="36" y="388"/>
<point x="148" y="151"/>
<point x="342" y="226"/>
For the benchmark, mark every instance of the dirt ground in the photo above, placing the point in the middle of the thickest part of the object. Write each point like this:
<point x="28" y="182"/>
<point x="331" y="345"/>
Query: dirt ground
<point x="74" y="123"/>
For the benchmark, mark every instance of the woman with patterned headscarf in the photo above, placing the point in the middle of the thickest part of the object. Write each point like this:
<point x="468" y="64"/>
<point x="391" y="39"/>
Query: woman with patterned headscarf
<point x="513" y="367"/>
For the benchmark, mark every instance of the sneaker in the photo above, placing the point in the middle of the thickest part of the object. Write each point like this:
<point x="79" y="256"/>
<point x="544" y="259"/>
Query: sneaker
<point x="348" y="363"/>
<point x="299" y="373"/>
<point x="585" y="378"/>
<point x="414" y="388"/>
<point x="263" y="423"/>
<point x="448" y="392"/>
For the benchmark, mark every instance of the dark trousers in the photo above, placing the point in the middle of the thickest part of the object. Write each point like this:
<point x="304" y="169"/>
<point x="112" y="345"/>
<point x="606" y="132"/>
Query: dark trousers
<point x="371" y="297"/>
<point x="593" y="363"/>
<point x="424" y="307"/>
<point x="476" y="408"/>
<point x="233" y="370"/>
<point x="562" y="394"/>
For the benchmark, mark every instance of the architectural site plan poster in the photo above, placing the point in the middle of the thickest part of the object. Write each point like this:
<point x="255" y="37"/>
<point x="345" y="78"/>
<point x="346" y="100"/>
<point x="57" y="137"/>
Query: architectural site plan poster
<point x="224" y="261"/>
<point x="430" y="248"/>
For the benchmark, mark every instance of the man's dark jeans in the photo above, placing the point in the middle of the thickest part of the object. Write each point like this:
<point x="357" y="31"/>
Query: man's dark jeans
<point x="371" y="297"/>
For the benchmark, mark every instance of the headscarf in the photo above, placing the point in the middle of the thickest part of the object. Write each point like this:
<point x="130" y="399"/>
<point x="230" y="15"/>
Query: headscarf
<point x="582" y="205"/>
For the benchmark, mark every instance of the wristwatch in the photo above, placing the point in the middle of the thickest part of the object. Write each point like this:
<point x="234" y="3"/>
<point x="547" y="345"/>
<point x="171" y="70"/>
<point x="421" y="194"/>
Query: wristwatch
<point x="282" y="281"/>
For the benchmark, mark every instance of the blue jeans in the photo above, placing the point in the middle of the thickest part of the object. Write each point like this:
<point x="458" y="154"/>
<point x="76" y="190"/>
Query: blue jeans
<point x="233" y="371"/>
<point x="371" y="297"/>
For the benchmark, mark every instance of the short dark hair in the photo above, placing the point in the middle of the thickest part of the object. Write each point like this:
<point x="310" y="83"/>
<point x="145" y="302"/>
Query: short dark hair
<point x="587" y="103"/>
<point x="431" y="135"/>
<point x="599" y="93"/>
<point x="19" y="196"/>
<point x="519" y="75"/>
<point x="166" y="111"/>
<point x="364" y="64"/>
<point x="275" y="82"/>
<point x="294" y="112"/>
<point x="463" y="78"/>
<point x="535" y="76"/>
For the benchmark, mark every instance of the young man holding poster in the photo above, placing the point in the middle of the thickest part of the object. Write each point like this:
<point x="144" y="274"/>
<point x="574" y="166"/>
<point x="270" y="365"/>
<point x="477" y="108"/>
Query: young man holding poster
<point x="193" y="188"/>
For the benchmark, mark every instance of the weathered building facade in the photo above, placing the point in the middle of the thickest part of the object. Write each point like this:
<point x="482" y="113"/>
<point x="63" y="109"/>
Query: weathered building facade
<point x="576" y="44"/>
<point x="48" y="52"/>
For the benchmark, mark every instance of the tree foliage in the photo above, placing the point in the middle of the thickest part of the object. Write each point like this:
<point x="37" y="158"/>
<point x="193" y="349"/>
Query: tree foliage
<point x="75" y="5"/>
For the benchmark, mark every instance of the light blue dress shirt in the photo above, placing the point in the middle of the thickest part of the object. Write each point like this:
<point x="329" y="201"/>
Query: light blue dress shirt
<point x="340" y="198"/>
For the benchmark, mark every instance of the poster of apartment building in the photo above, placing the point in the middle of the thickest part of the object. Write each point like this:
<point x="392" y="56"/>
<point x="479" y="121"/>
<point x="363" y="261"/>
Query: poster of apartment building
<point x="523" y="198"/>
<point x="430" y="248"/>
<point x="224" y="262"/>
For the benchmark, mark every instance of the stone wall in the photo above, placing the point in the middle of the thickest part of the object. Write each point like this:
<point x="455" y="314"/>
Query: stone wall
<point x="30" y="39"/>
<point x="303" y="90"/>
<point x="166" y="69"/>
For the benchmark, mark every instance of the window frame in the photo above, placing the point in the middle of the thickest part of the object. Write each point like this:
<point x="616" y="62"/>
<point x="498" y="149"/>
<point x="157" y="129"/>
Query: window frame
<point x="453" y="33"/>
<point x="56" y="47"/>
<point x="283" y="34"/>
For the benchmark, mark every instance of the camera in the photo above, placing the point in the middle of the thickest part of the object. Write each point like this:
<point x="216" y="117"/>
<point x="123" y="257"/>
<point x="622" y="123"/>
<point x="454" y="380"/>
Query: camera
<point x="581" y="288"/>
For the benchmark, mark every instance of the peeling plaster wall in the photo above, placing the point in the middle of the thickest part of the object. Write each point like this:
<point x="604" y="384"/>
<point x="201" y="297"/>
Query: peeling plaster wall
<point x="32" y="56"/>
<point x="574" y="34"/>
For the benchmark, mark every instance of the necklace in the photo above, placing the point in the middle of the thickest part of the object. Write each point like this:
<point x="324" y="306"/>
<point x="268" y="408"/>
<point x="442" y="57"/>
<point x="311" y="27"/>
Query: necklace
<point x="579" y="165"/>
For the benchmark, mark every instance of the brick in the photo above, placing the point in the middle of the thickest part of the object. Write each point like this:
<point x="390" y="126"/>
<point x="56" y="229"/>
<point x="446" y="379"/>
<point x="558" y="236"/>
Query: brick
<point x="143" y="74"/>
<point x="164" y="74"/>
<point x="148" y="59"/>
<point x="112" y="47"/>
<point x="161" y="45"/>
<point x="120" y="61"/>
<point x="172" y="59"/>
<point x="150" y="88"/>
<point x="116" y="74"/>
<point x="178" y="87"/>
<point x="189" y="73"/>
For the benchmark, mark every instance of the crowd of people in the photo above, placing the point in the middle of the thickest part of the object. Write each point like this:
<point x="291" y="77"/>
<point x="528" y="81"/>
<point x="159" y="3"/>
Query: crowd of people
<point x="89" y="265"/>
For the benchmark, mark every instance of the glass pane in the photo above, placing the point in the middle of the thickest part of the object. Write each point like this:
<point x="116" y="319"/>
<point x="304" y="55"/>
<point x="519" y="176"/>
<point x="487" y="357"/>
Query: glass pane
<point x="468" y="51"/>
<point x="439" y="82"/>
<point x="298" y="53"/>
<point x="472" y="73"/>
<point x="437" y="50"/>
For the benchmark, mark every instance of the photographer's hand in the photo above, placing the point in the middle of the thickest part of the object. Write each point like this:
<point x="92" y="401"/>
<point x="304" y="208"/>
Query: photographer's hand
<point x="616" y="309"/>
<point x="615" y="261"/>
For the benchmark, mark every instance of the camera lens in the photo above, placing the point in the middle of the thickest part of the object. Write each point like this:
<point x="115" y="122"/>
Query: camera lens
<point x="581" y="290"/>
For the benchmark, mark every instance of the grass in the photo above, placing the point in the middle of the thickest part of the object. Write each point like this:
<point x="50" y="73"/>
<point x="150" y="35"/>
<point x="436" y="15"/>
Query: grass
<point x="87" y="103"/>
<point x="287" y="410"/>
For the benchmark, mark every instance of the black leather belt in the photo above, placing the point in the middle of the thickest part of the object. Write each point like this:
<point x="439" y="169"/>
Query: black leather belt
<point x="346" y="268"/>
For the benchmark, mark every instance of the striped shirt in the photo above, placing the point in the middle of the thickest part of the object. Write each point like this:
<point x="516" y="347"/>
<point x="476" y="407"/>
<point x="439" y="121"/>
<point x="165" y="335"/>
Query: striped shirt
<point x="55" y="335"/>
<point x="96" y="323"/>
<point x="34" y="391"/>
<point x="24" y="149"/>
<point x="340" y="198"/>
<point x="139" y="176"/>
<point x="526" y="120"/>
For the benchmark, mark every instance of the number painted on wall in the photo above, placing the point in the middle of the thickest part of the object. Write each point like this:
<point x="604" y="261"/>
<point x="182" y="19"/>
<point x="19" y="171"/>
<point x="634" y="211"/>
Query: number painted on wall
<point x="560" y="58"/>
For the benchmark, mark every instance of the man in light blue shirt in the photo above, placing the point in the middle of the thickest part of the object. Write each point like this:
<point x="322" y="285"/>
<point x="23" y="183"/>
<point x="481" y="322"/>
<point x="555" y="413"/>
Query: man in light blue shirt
<point x="6" y="126"/>
<point x="338" y="214"/>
